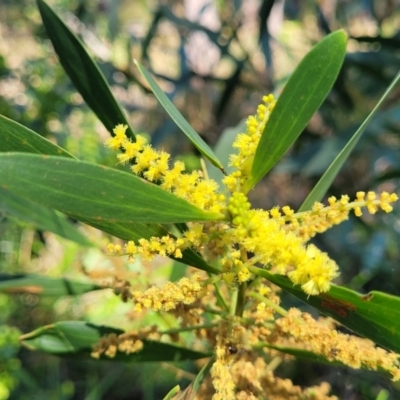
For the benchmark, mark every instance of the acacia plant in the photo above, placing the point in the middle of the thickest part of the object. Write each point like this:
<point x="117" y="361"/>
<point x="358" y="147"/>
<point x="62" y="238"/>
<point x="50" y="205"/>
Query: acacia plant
<point x="227" y="309"/>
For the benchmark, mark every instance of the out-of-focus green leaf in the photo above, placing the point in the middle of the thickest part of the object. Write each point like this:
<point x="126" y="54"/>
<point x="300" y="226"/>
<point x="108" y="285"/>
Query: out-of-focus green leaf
<point x="41" y="217"/>
<point x="83" y="71"/>
<point x="44" y="286"/>
<point x="375" y="315"/>
<point x="327" y="178"/>
<point x="91" y="191"/>
<point x="171" y="394"/>
<point x="76" y="338"/>
<point x="303" y="94"/>
<point x="310" y="356"/>
<point x="173" y="112"/>
<point x="16" y="137"/>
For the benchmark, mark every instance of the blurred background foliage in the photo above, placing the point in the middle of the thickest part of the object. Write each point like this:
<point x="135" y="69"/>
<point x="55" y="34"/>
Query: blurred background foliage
<point x="214" y="59"/>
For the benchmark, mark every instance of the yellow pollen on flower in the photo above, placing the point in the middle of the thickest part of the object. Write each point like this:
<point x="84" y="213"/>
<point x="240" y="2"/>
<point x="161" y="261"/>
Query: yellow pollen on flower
<point x="118" y="140"/>
<point x="307" y="224"/>
<point x="246" y="143"/>
<point x="168" y="297"/>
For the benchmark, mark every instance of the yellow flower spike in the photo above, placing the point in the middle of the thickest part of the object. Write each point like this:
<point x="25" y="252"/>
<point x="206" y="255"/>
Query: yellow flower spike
<point x="247" y="143"/>
<point x="360" y="196"/>
<point x="168" y="297"/>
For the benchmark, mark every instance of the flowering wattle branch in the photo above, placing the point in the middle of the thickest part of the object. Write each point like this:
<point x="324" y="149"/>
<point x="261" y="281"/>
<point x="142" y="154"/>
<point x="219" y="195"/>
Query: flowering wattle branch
<point x="246" y="241"/>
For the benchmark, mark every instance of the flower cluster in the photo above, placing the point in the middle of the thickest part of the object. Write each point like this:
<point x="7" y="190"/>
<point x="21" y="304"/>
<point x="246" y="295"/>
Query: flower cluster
<point x="130" y="342"/>
<point x="247" y="143"/>
<point x="245" y="242"/>
<point x="301" y="330"/>
<point x="153" y="166"/>
<point x="249" y="230"/>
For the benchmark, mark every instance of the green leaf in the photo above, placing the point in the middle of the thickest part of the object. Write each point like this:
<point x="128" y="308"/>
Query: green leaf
<point x="16" y="137"/>
<point x="171" y="394"/>
<point x="312" y="357"/>
<point x="327" y="178"/>
<point x="83" y="71"/>
<point x="190" y="392"/>
<point x="303" y="94"/>
<point x="302" y="354"/>
<point x="84" y="190"/>
<point x="44" y="286"/>
<point x="375" y="315"/>
<point x="41" y="217"/>
<point x="76" y="338"/>
<point x="193" y="136"/>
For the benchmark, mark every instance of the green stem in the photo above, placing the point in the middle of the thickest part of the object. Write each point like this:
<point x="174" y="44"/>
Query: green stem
<point x="188" y="328"/>
<point x="254" y="283"/>
<point x="223" y="314"/>
<point x="232" y="309"/>
<point x="211" y="280"/>
<point x="268" y="302"/>
<point x="220" y="297"/>
<point x="241" y="300"/>
<point x="274" y="364"/>
<point x="241" y="297"/>
<point x="234" y="300"/>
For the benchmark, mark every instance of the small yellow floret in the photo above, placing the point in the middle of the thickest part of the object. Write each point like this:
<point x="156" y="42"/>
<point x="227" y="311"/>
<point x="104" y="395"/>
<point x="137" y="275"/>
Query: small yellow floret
<point x="118" y="140"/>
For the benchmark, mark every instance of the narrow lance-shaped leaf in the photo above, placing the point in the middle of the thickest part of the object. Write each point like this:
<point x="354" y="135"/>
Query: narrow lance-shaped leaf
<point x="41" y="217"/>
<point x="76" y="339"/>
<point x="301" y="354"/>
<point x="303" y="94"/>
<point x="43" y="285"/>
<point x="173" y="112"/>
<point x="375" y="315"/>
<point x="327" y="178"/>
<point x="83" y="71"/>
<point x="90" y="191"/>
<point x="16" y="137"/>
<point x="312" y="357"/>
